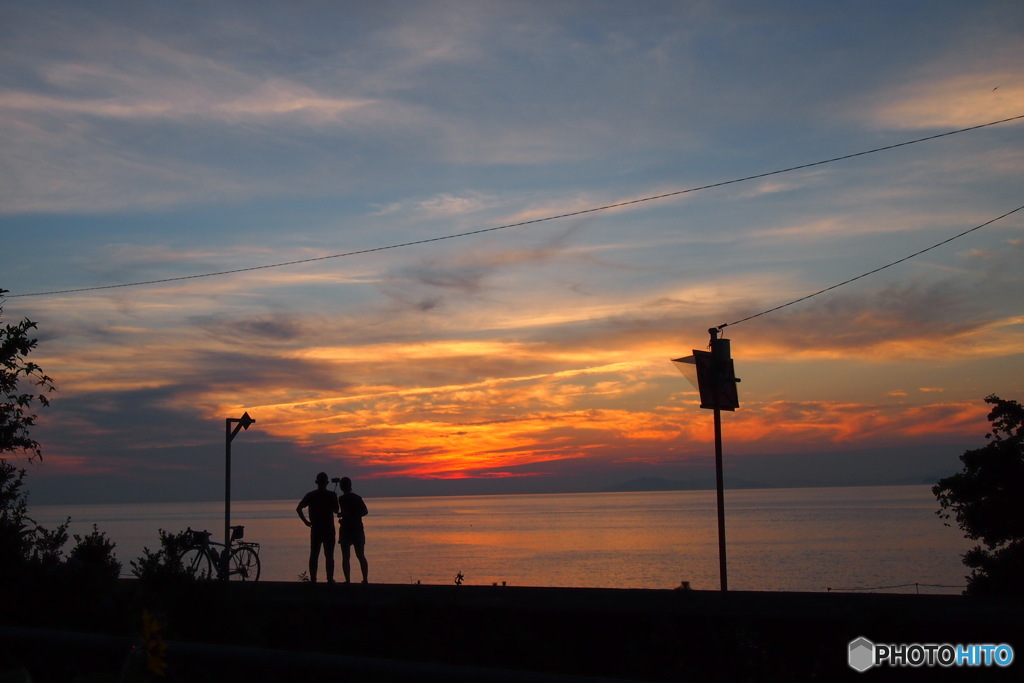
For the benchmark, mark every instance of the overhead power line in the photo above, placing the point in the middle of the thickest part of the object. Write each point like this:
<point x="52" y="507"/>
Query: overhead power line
<point x="872" y="272"/>
<point x="519" y="224"/>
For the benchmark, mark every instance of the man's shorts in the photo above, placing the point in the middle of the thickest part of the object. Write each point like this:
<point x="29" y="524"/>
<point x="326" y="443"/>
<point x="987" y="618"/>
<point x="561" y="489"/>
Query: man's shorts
<point x="356" y="538"/>
<point x="318" y="536"/>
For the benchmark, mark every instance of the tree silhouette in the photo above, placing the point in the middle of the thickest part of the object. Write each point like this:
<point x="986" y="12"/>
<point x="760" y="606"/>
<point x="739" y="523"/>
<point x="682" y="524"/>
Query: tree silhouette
<point x="987" y="500"/>
<point x="22" y="386"/>
<point x="15" y="529"/>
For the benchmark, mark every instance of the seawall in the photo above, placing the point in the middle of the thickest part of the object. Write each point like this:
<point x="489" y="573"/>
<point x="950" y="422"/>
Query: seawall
<point x="296" y="631"/>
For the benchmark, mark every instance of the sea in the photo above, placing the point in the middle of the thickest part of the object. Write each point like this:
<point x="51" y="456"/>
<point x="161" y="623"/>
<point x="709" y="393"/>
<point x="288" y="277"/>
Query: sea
<point x="867" y="539"/>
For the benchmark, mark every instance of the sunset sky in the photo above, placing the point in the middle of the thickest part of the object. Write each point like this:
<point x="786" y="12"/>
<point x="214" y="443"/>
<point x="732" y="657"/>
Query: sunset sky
<point x="159" y="141"/>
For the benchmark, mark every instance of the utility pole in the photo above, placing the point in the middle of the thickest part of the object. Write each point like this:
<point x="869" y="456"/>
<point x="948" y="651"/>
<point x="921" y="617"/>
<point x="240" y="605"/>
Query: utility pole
<point x="712" y="373"/>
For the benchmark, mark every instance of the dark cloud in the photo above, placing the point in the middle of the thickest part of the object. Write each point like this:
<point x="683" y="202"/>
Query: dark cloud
<point x="261" y="469"/>
<point x="102" y="421"/>
<point x="861" y="316"/>
<point x="243" y="370"/>
<point x="468" y="273"/>
<point x="425" y="287"/>
<point x="256" y="330"/>
<point x="913" y="312"/>
<point x="96" y="421"/>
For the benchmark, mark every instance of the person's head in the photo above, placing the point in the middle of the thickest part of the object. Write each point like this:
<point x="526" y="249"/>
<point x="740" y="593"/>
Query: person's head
<point x="322" y="479"/>
<point x="346" y="484"/>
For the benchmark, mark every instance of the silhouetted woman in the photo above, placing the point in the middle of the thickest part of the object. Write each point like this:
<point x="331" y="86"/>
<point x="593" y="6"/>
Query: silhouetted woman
<point x="352" y="509"/>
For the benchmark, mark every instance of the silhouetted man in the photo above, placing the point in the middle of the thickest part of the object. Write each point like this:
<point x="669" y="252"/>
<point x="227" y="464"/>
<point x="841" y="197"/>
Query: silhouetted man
<point x="352" y="511"/>
<point x="323" y="505"/>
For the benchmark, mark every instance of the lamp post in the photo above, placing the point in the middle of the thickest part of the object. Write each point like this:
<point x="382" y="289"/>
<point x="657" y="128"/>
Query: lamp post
<point x="712" y="373"/>
<point x="242" y="423"/>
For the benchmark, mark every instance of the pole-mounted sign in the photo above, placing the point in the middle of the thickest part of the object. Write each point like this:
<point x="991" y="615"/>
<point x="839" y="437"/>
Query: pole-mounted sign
<point x="712" y="374"/>
<point x="229" y="436"/>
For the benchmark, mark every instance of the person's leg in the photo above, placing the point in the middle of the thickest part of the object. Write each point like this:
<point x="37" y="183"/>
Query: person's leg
<point x="314" y="556"/>
<point x="329" y="558"/>
<point x="361" y="556"/>
<point x="346" y="565"/>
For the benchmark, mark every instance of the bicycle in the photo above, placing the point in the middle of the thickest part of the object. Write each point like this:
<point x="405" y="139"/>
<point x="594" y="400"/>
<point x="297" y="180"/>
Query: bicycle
<point x="200" y="558"/>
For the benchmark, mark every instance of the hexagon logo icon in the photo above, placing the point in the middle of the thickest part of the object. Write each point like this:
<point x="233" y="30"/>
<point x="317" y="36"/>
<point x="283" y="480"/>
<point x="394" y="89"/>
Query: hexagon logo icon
<point x="862" y="654"/>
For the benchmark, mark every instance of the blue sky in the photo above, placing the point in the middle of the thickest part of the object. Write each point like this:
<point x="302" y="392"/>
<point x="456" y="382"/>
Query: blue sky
<point x="148" y="141"/>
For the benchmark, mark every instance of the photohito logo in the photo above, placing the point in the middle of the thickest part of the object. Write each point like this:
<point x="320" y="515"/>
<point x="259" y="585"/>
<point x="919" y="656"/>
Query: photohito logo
<point x="863" y="654"/>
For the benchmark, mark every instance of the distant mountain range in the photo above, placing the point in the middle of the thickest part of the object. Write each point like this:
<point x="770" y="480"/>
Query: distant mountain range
<point x="660" y="484"/>
<point x="731" y="482"/>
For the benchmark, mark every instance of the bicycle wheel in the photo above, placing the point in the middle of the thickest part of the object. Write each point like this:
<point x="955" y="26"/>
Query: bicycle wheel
<point x="196" y="562"/>
<point x="245" y="565"/>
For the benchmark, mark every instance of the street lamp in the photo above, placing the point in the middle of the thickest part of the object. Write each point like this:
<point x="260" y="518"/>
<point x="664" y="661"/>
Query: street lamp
<point x="712" y="373"/>
<point x="242" y="423"/>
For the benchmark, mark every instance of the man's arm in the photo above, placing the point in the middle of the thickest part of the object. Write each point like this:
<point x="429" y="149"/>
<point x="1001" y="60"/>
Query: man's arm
<point x="298" y="508"/>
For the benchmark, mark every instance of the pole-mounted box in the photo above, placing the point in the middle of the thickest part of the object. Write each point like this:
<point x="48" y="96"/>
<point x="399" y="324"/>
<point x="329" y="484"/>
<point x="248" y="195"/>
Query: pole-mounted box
<point x="713" y="374"/>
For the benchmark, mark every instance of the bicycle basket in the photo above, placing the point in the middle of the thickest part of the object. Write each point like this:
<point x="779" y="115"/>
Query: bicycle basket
<point x="199" y="537"/>
<point x="237" y="532"/>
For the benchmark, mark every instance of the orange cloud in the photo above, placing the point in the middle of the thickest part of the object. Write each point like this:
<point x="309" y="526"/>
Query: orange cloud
<point x="458" y="431"/>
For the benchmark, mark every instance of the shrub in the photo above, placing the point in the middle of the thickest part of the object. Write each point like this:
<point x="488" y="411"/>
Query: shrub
<point x="23" y="543"/>
<point x="165" y="562"/>
<point x="15" y="533"/>
<point x="94" y="555"/>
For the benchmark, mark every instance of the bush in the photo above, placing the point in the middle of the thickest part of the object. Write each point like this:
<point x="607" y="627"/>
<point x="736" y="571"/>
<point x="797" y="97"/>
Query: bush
<point x="15" y="533"/>
<point x="48" y="546"/>
<point x="164" y="563"/>
<point x="24" y="545"/>
<point x="94" y="555"/>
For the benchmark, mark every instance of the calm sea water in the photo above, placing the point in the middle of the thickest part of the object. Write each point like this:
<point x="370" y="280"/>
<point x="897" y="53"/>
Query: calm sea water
<point x="883" y="538"/>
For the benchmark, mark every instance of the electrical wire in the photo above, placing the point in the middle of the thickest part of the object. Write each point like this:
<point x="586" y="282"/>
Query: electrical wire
<point x="519" y="224"/>
<point x="872" y="272"/>
<point x="901" y="585"/>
